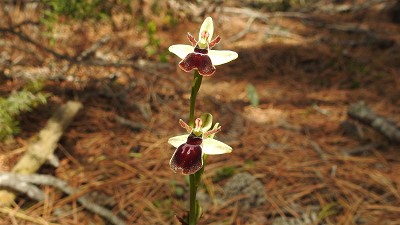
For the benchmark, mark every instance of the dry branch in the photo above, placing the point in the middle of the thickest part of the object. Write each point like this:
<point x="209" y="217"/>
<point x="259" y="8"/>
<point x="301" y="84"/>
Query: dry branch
<point x="37" y="44"/>
<point x="318" y="150"/>
<point x="43" y="146"/>
<point x="129" y="123"/>
<point x="360" y="149"/>
<point x="8" y="180"/>
<point x="262" y="15"/>
<point x="365" y="115"/>
<point x="14" y="181"/>
<point x="86" y="54"/>
<point x="242" y="33"/>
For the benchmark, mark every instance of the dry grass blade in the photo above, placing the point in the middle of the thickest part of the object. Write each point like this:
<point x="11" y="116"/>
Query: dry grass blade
<point x="25" y="217"/>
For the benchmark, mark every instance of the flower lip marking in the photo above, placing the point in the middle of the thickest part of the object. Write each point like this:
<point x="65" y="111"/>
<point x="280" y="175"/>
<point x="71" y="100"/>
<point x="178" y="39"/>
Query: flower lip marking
<point x="205" y="35"/>
<point x="199" y="56"/>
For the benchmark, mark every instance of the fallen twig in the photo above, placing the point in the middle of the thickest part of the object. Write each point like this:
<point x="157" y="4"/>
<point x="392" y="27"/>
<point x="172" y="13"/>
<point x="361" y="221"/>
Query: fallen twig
<point x="129" y="123"/>
<point x="12" y="180"/>
<point x="281" y="32"/>
<point x="262" y="16"/>
<point x="244" y="31"/>
<point x="365" y="115"/>
<point x="360" y="149"/>
<point x="43" y="145"/>
<point x="333" y="8"/>
<point x="318" y="150"/>
<point x="85" y="54"/>
<point x="26" y="38"/>
<point x="9" y="180"/>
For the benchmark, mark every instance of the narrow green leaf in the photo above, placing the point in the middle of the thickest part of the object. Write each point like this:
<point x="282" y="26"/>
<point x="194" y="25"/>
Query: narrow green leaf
<point x="252" y="95"/>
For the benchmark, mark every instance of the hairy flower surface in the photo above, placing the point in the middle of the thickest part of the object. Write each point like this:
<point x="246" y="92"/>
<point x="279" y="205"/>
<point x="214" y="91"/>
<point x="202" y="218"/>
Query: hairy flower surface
<point x="199" y="55"/>
<point x="188" y="156"/>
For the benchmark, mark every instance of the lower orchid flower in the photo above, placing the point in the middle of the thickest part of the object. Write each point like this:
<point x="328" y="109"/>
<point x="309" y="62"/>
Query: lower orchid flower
<point x="199" y="56"/>
<point x="188" y="156"/>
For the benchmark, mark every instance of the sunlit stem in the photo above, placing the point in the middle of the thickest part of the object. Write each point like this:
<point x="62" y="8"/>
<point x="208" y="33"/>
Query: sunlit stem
<point x="197" y="78"/>
<point x="193" y="190"/>
<point x="194" y="179"/>
<point x="194" y="184"/>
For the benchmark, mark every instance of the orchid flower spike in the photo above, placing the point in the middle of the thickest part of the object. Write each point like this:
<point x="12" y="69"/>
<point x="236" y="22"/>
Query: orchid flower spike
<point x="188" y="156"/>
<point x="199" y="56"/>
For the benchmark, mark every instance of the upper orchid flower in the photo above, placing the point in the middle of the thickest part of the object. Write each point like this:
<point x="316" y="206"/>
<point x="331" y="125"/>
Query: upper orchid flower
<point x="190" y="148"/>
<point x="199" y="56"/>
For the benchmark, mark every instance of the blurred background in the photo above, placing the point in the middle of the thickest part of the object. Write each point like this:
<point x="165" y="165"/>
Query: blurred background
<point x="293" y="106"/>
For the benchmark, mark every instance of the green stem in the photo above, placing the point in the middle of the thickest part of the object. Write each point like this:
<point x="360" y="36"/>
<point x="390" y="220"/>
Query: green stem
<point x="197" y="78"/>
<point x="193" y="190"/>
<point x="194" y="179"/>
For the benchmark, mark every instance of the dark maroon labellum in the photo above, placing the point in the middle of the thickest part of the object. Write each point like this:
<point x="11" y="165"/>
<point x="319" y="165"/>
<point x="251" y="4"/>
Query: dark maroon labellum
<point x="188" y="157"/>
<point x="198" y="60"/>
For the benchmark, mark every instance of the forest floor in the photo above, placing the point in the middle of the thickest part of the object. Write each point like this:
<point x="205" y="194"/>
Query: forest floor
<point x="308" y="68"/>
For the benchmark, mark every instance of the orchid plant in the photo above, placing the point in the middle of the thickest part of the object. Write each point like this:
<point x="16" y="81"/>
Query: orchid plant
<point x="193" y="148"/>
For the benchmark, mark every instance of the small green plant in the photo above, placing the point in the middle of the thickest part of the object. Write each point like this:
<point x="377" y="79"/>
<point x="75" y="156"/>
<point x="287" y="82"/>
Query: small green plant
<point x="83" y="9"/>
<point x="21" y="101"/>
<point x="328" y="210"/>
<point x="152" y="47"/>
<point x="224" y="173"/>
<point x="252" y="95"/>
<point x="96" y="10"/>
<point x="153" y="43"/>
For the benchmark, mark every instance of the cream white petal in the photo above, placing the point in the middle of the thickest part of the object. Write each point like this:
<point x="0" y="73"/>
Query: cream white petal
<point x="219" y="57"/>
<point x="181" y="50"/>
<point x="213" y="147"/>
<point x="178" y="140"/>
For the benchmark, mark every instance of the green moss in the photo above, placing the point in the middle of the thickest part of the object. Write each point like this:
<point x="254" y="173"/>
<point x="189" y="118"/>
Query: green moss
<point x="15" y="104"/>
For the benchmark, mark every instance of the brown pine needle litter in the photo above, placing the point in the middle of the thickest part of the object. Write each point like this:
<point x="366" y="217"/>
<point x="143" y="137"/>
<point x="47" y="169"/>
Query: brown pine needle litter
<point x="307" y="68"/>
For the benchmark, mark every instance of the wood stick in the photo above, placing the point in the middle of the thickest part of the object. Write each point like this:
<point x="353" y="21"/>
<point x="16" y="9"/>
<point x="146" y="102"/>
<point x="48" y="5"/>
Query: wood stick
<point x="129" y="123"/>
<point x="86" y="53"/>
<point x="365" y="115"/>
<point x="263" y="16"/>
<point x="43" y="145"/>
<point x="8" y="180"/>
<point x="37" y="44"/>
<point x="14" y="181"/>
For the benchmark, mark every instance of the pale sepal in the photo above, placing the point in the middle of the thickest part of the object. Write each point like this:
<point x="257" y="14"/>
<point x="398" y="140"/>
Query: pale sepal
<point x="181" y="50"/>
<point x="213" y="147"/>
<point x="178" y="140"/>
<point x="219" y="57"/>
